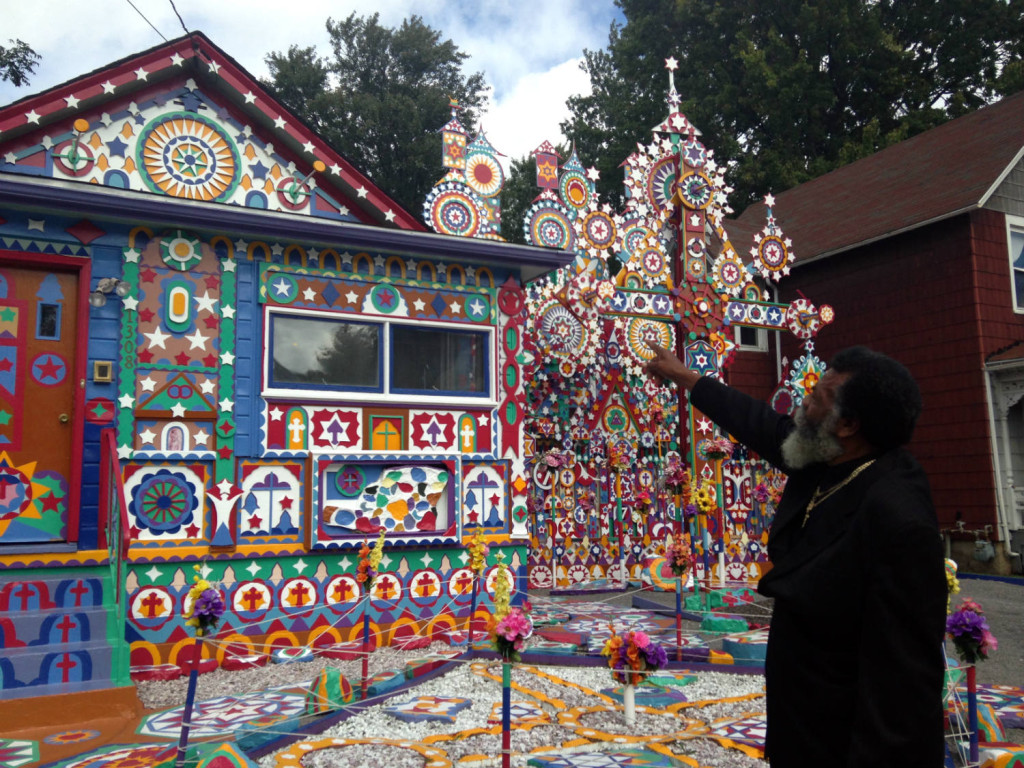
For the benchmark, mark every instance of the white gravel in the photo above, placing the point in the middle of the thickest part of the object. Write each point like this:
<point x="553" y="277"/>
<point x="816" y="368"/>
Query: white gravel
<point x="466" y="681"/>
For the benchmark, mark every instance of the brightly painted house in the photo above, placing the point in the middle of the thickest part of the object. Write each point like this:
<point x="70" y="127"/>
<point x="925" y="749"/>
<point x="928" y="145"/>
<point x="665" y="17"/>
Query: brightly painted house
<point x="220" y="344"/>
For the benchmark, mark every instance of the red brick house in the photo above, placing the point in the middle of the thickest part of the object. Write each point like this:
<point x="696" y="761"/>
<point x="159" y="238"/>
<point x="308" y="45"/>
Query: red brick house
<point x="920" y="250"/>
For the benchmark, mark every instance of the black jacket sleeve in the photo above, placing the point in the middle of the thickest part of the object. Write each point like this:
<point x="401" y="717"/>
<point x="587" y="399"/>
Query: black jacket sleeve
<point x="754" y="423"/>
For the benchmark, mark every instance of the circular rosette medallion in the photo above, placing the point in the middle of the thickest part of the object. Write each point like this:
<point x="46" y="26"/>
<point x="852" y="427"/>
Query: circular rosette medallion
<point x="802" y="319"/>
<point x="164" y="502"/>
<point x="641" y="331"/>
<point x="772" y="257"/>
<point x="728" y="274"/>
<point x="633" y="237"/>
<point x="483" y="174"/>
<point x="454" y="211"/>
<point x="695" y="190"/>
<point x="653" y="265"/>
<point x="661" y="181"/>
<point x="597" y="230"/>
<point x="575" y="190"/>
<point x="185" y="155"/>
<point x="562" y="331"/>
<point x="180" y="250"/>
<point x="550" y="227"/>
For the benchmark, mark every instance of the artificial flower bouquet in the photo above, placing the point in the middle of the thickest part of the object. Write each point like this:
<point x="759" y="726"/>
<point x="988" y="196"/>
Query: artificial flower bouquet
<point x="510" y="632"/>
<point x="369" y="562"/>
<point x="969" y="632"/>
<point x="633" y="656"/>
<point x="678" y="555"/>
<point x="676" y="475"/>
<point x="206" y="607"/>
<point x="718" y="448"/>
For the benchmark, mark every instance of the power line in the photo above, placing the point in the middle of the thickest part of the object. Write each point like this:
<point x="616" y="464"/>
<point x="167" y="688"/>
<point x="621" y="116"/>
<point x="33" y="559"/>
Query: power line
<point x="180" y="20"/>
<point x="147" y="20"/>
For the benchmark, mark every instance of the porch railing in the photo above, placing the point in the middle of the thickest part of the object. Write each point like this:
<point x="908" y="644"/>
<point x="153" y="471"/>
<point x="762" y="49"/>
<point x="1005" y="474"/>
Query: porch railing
<point x="115" y="538"/>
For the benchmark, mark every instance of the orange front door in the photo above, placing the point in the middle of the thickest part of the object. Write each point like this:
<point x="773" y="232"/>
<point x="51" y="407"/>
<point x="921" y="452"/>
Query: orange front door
<point x="39" y="306"/>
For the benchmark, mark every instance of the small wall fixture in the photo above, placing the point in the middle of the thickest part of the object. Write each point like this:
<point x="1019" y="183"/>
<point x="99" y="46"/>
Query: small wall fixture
<point x="106" y="286"/>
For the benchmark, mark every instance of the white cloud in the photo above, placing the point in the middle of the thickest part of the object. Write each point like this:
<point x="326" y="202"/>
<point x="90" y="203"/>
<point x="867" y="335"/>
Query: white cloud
<point x="531" y="112"/>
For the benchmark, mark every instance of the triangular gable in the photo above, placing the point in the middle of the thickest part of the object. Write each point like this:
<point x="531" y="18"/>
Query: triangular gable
<point x="185" y="120"/>
<point x="179" y="396"/>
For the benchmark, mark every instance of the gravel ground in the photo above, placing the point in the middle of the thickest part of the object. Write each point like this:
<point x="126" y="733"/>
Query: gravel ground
<point x="1002" y="601"/>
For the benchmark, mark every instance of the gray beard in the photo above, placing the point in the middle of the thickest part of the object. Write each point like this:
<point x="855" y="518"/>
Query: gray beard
<point x="811" y="443"/>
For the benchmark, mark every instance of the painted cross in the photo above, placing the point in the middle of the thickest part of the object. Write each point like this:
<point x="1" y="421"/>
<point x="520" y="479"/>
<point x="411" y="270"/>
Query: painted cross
<point x="253" y="598"/>
<point x="154" y="605"/>
<point x="342" y="590"/>
<point x="385" y="585"/>
<point x="468" y="434"/>
<point x="425" y="585"/>
<point x="65" y="626"/>
<point x="296" y="432"/>
<point x="481" y="483"/>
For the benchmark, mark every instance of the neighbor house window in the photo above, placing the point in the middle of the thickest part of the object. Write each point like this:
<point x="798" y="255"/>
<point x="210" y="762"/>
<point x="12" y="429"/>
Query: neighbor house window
<point x="751" y="339"/>
<point x="327" y="354"/>
<point x="1015" y="231"/>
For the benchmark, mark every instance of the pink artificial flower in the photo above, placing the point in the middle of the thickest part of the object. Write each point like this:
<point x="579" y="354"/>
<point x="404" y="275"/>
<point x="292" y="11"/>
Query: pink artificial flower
<point x="970" y="605"/>
<point x="989" y="642"/>
<point x="640" y="639"/>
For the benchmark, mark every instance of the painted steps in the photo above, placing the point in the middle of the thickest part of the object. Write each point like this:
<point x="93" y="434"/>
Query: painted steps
<point x="59" y="633"/>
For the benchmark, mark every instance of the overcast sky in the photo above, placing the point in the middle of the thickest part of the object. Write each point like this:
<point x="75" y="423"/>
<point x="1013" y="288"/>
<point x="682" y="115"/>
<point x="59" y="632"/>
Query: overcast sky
<point x="529" y="51"/>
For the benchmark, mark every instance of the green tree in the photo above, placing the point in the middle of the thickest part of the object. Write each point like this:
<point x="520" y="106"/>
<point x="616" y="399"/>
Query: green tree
<point x="788" y="90"/>
<point x="518" y="193"/>
<point x="17" y="62"/>
<point x="381" y="98"/>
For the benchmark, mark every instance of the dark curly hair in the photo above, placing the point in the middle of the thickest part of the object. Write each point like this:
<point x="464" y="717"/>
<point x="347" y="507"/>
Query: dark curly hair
<point x="880" y="394"/>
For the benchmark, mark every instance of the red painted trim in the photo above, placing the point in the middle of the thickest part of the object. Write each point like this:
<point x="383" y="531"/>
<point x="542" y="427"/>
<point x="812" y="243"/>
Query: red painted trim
<point x="52" y="108"/>
<point x="83" y="267"/>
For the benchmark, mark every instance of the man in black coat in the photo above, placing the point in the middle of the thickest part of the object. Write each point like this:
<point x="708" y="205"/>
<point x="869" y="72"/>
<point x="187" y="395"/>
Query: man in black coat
<point x="855" y="661"/>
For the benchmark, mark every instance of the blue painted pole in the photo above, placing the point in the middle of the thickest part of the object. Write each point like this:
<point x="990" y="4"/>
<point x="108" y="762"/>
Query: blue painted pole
<point x="679" y="618"/>
<point x="190" y="700"/>
<point x="366" y="644"/>
<point x="506" y="714"/>
<point x="472" y="612"/>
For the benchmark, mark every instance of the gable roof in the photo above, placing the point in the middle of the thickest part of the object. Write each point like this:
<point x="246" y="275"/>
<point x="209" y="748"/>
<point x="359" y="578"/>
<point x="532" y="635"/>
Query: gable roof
<point x="940" y="173"/>
<point x="194" y="61"/>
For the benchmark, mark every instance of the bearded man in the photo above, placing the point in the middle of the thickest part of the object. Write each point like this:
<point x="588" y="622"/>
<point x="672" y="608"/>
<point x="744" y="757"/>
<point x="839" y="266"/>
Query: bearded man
<point x="855" y="661"/>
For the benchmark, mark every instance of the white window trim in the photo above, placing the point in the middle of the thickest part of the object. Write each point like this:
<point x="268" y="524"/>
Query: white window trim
<point x="489" y="400"/>
<point x="762" y="340"/>
<point x="1014" y="225"/>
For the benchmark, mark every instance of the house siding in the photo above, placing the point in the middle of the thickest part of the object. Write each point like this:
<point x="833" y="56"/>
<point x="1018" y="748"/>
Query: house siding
<point x="923" y="298"/>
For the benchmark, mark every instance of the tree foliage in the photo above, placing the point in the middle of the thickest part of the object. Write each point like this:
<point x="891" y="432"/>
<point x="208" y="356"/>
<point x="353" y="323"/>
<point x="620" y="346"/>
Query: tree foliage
<point x="791" y="89"/>
<point x="381" y="98"/>
<point x="17" y="62"/>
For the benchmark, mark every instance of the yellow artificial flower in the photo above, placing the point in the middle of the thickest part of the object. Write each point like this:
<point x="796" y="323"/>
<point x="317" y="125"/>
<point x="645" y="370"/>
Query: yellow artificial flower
<point x="502" y="592"/>
<point x="377" y="552"/>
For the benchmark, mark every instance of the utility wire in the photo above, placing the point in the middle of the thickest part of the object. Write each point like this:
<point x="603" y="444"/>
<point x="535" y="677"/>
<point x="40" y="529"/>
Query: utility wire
<point x="147" y="20"/>
<point x="180" y="20"/>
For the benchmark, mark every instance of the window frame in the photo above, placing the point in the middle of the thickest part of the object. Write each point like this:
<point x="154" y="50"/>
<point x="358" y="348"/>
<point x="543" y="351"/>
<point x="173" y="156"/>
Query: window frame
<point x="761" y="345"/>
<point x="485" y="399"/>
<point x="1014" y="226"/>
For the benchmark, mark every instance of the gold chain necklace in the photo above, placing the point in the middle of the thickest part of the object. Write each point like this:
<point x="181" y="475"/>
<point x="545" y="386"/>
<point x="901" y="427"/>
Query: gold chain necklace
<point x="819" y="497"/>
